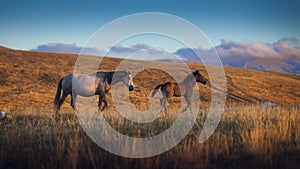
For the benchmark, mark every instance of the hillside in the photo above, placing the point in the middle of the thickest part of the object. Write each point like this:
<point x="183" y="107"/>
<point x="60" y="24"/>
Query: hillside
<point x="29" y="80"/>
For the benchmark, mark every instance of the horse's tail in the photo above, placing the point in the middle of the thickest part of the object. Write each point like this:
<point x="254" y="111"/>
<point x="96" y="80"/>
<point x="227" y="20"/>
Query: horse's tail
<point x="155" y="90"/>
<point x="58" y="92"/>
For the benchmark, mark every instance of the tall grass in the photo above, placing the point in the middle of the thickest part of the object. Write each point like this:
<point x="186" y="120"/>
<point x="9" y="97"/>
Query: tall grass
<point x="247" y="137"/>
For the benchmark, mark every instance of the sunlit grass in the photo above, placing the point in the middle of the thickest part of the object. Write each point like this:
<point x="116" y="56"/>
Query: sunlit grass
<point x="247" y="137"/>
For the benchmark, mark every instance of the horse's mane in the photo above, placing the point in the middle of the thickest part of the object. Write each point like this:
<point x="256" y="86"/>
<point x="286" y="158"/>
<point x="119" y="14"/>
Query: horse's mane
<point x="108" y="77"/>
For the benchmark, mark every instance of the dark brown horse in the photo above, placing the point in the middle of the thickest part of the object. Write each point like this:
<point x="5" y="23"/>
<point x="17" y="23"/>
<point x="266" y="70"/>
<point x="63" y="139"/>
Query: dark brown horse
<point x="89" y="85"/>
<point x="184" y="88"/>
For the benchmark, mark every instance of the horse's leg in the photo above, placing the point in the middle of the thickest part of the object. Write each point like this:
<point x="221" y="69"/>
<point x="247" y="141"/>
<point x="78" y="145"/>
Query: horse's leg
<point x="63" y="97"/>
<point x="73" y="99"/>
<point x="100" y="102"/>
<point x="104" y="101"/>
<point x="163" y="102"/>
<point x="72" y="102"/>
<point x="188" y="102"/>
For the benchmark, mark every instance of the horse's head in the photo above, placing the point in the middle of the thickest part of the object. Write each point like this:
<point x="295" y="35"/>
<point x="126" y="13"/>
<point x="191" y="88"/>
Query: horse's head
<point x="126" y="78"/>
<point x="198" y="77"/>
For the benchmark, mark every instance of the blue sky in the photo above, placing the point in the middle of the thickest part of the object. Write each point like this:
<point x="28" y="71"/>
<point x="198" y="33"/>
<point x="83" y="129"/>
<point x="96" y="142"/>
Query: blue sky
<point x="28" y="24"/>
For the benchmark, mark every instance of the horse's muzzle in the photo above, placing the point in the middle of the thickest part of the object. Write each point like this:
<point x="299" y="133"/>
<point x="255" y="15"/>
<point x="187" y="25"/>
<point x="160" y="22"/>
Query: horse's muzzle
<point x="131" y="87"/>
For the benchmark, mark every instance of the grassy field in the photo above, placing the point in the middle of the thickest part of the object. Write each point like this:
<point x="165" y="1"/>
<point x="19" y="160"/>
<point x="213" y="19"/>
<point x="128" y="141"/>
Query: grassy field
<point x="248" y="136"/>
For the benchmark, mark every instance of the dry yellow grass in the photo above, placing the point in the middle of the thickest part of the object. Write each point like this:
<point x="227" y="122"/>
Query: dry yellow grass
<point x="247" y="137"/>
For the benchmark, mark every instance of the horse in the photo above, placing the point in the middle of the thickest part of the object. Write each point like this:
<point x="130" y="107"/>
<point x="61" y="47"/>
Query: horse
<point x="87" y="85"/>
<point x="184" y="88"/>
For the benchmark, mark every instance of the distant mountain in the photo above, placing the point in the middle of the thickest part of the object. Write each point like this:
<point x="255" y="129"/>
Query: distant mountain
<point x="291" y="66"/>
<point x="270" y="64"/>
<point x="66" y="48"/>
<point x="282" y="56"/>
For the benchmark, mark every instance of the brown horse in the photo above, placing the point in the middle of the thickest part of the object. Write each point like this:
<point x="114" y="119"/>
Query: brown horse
<point x="184" y="88"/>
<point x="87" y="85"/>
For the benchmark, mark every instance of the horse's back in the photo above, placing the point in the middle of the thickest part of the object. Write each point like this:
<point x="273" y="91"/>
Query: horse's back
<point x="177" y="89"/>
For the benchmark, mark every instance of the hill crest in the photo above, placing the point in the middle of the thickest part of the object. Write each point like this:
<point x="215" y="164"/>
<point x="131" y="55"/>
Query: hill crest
<point x="29" y="79"/>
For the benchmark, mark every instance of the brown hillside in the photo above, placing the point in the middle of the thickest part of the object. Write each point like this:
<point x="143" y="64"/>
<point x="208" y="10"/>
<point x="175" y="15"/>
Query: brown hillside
<point x="29" y="80"/>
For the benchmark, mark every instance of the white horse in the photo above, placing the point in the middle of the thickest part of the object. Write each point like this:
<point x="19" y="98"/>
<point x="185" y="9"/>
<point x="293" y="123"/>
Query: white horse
<point x="89" y="85"/>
